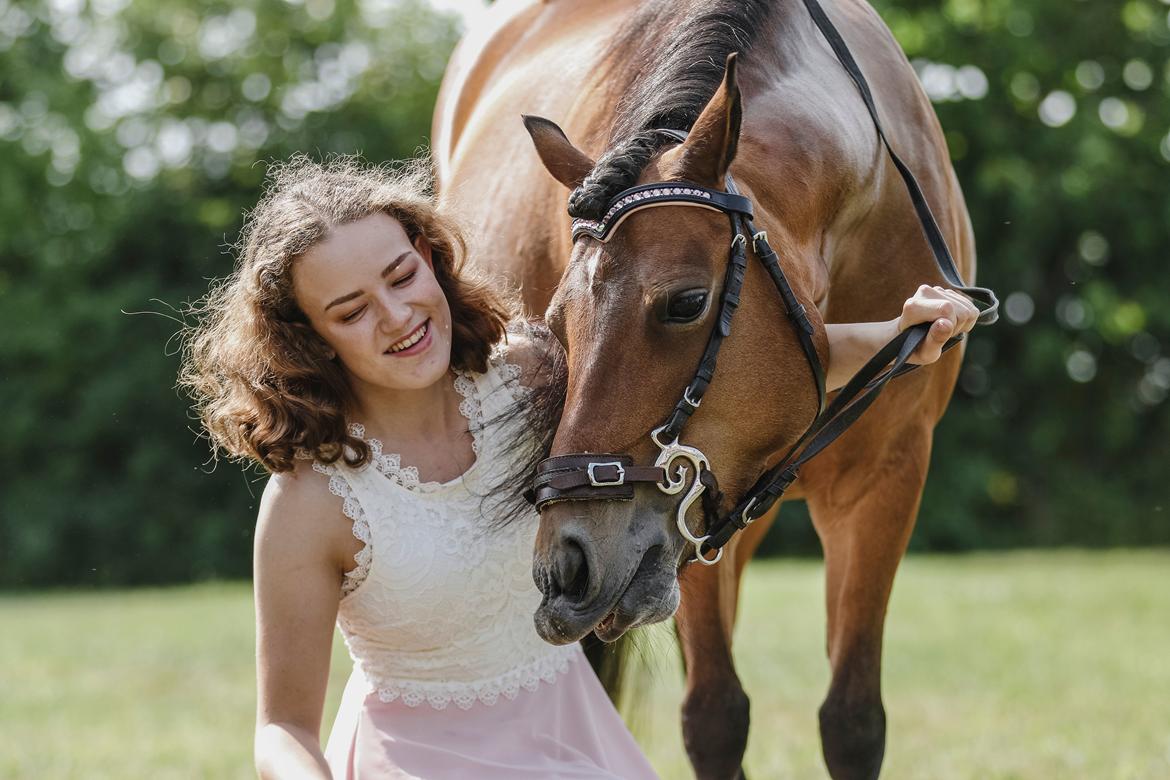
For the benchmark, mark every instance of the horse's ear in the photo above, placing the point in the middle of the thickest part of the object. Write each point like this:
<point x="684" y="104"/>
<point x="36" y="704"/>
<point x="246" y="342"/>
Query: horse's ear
<point x="568" y="164"/>
<point x="710" y="147"/>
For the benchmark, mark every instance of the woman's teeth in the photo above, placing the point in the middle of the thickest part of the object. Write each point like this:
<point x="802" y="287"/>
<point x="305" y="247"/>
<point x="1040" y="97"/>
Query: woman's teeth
<point x="410" y="340"/>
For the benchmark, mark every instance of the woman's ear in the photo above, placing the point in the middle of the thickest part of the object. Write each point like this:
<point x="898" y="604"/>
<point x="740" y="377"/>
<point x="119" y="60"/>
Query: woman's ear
<point x="423" y="247"/>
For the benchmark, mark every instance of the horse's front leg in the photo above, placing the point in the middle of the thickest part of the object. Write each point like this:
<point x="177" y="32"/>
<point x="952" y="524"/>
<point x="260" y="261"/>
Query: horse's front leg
<point x="715" y="707"/>
<point x="864" y="520"/>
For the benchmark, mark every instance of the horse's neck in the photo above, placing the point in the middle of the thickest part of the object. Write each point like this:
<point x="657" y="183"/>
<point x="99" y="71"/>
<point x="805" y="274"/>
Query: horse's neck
<point x="519" y="235"/>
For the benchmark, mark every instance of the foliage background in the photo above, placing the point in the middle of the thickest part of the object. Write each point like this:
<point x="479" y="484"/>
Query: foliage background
<point x="130" y="135"/>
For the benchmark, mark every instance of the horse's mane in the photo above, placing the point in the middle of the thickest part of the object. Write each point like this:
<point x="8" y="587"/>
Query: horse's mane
<point x="666" y="62"/>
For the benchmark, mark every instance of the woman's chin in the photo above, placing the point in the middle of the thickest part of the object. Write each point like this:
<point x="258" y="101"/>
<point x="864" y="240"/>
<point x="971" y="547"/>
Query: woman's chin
<point x="426" y="370"/>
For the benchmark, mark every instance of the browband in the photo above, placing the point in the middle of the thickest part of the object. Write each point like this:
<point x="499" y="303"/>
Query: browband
<point x="659" y="194"/>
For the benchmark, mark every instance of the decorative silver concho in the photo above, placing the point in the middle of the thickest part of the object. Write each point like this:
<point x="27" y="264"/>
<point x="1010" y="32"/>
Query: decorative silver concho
<point x="677" y="480"/>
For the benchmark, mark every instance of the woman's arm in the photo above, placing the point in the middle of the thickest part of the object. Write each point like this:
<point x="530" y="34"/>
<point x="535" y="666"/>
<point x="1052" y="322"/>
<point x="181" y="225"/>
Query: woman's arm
<point x="298" y="586"/>
<point x="851" y="345"/>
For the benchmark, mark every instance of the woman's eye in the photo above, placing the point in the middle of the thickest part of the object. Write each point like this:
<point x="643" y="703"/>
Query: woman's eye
<point x="353" y="315"/>
<point x="686" y="306"/>
<point x="405" y="280"/>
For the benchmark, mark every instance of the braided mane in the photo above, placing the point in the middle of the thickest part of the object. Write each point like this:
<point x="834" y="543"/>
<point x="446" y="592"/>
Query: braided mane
<point x="682" y="48"/>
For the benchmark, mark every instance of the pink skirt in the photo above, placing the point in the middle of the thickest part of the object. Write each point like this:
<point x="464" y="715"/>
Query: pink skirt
<point x="563" y="729"/>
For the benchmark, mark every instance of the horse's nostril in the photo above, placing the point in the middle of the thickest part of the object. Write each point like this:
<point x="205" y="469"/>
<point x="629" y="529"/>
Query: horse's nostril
<point x="570" y="572"/>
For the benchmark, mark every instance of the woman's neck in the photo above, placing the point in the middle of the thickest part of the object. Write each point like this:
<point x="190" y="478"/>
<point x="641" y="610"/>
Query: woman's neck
<point x="426" y="414"/>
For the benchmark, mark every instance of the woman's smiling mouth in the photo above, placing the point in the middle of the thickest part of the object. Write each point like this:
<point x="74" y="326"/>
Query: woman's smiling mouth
<point x="414" y="343"/>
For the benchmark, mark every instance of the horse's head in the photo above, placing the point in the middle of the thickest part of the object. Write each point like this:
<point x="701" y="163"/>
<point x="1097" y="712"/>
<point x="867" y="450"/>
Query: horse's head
<point x="634" y="314"/>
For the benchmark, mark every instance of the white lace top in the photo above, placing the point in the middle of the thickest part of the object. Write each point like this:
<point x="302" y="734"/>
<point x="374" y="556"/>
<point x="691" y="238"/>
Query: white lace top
<point x="439" y="607"/>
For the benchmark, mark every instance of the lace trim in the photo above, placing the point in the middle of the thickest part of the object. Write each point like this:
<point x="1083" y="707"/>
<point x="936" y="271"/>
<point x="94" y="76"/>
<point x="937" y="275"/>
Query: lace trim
<point x="388" y="463"/>
<point x="509" y="372"/>
<point x="470" y="407"/>
<point x="438" y="695"/>
<point x="352" y="509"/>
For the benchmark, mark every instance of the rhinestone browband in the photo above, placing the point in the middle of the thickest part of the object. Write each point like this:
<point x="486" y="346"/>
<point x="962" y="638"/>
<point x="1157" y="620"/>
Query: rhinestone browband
<point x="635" y="198"/>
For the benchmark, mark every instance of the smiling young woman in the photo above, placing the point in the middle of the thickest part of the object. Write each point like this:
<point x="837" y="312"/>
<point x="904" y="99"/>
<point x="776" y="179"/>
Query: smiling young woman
<point x="348" y="343"/>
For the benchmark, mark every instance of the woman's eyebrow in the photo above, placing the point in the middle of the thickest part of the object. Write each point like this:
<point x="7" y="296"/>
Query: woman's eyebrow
<point x="385" y="272"/>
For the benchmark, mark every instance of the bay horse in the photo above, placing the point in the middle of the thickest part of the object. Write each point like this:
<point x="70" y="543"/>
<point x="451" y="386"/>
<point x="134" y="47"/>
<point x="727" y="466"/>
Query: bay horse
<point x="634" y="313"/>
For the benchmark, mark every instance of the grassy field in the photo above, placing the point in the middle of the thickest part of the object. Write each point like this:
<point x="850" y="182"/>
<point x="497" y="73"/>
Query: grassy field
<point x="1053" y="665"/>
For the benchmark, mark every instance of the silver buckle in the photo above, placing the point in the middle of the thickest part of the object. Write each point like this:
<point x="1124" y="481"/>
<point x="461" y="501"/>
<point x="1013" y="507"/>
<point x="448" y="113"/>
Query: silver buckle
<point x="595" y="482"/>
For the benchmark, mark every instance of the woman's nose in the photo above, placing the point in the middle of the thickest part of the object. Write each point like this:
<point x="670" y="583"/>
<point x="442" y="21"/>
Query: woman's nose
<point x="395" y="316"/>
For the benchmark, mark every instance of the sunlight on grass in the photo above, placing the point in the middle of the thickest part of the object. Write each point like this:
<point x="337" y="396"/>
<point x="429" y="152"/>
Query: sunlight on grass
<point x="1031" y="665"/>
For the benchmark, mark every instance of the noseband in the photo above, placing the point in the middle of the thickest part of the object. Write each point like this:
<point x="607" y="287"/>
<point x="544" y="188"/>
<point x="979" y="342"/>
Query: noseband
<point x="592" y="476"/>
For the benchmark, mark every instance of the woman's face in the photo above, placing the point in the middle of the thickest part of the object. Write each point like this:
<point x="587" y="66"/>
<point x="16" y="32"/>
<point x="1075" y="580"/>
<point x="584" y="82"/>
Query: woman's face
<point x="371" y="294"/>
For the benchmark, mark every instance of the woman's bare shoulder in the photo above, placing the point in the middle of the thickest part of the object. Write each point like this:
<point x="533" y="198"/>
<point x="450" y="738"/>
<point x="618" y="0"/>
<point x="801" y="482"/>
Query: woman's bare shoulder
<point x="298" y="515"/>
<point x="532" y="347"/>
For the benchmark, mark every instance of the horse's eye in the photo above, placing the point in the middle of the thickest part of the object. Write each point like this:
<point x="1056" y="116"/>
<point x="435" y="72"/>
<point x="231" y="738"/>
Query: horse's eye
<point x="686" y="306"/>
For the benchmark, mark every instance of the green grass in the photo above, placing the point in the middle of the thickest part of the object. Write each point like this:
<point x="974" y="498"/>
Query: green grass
<point x="1036" y="665"/>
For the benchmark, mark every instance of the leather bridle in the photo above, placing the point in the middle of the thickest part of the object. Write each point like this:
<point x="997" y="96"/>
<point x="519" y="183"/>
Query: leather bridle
<point x="593" y="476"/>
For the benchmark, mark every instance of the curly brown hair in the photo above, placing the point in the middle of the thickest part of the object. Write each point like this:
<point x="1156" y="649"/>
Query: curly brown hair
<point x="261" y="379"/>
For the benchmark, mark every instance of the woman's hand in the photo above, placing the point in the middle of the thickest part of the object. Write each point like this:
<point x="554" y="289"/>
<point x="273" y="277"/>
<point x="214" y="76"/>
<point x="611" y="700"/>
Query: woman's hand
<point x="951" y="312"/>
<point x="852" y="344"/>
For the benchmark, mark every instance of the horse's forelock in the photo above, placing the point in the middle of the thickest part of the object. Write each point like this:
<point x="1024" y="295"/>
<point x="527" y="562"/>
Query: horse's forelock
<point x="617" y="169"/>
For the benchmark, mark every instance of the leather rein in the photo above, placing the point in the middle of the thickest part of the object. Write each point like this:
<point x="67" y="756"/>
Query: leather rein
<point x="593" y="476"/>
